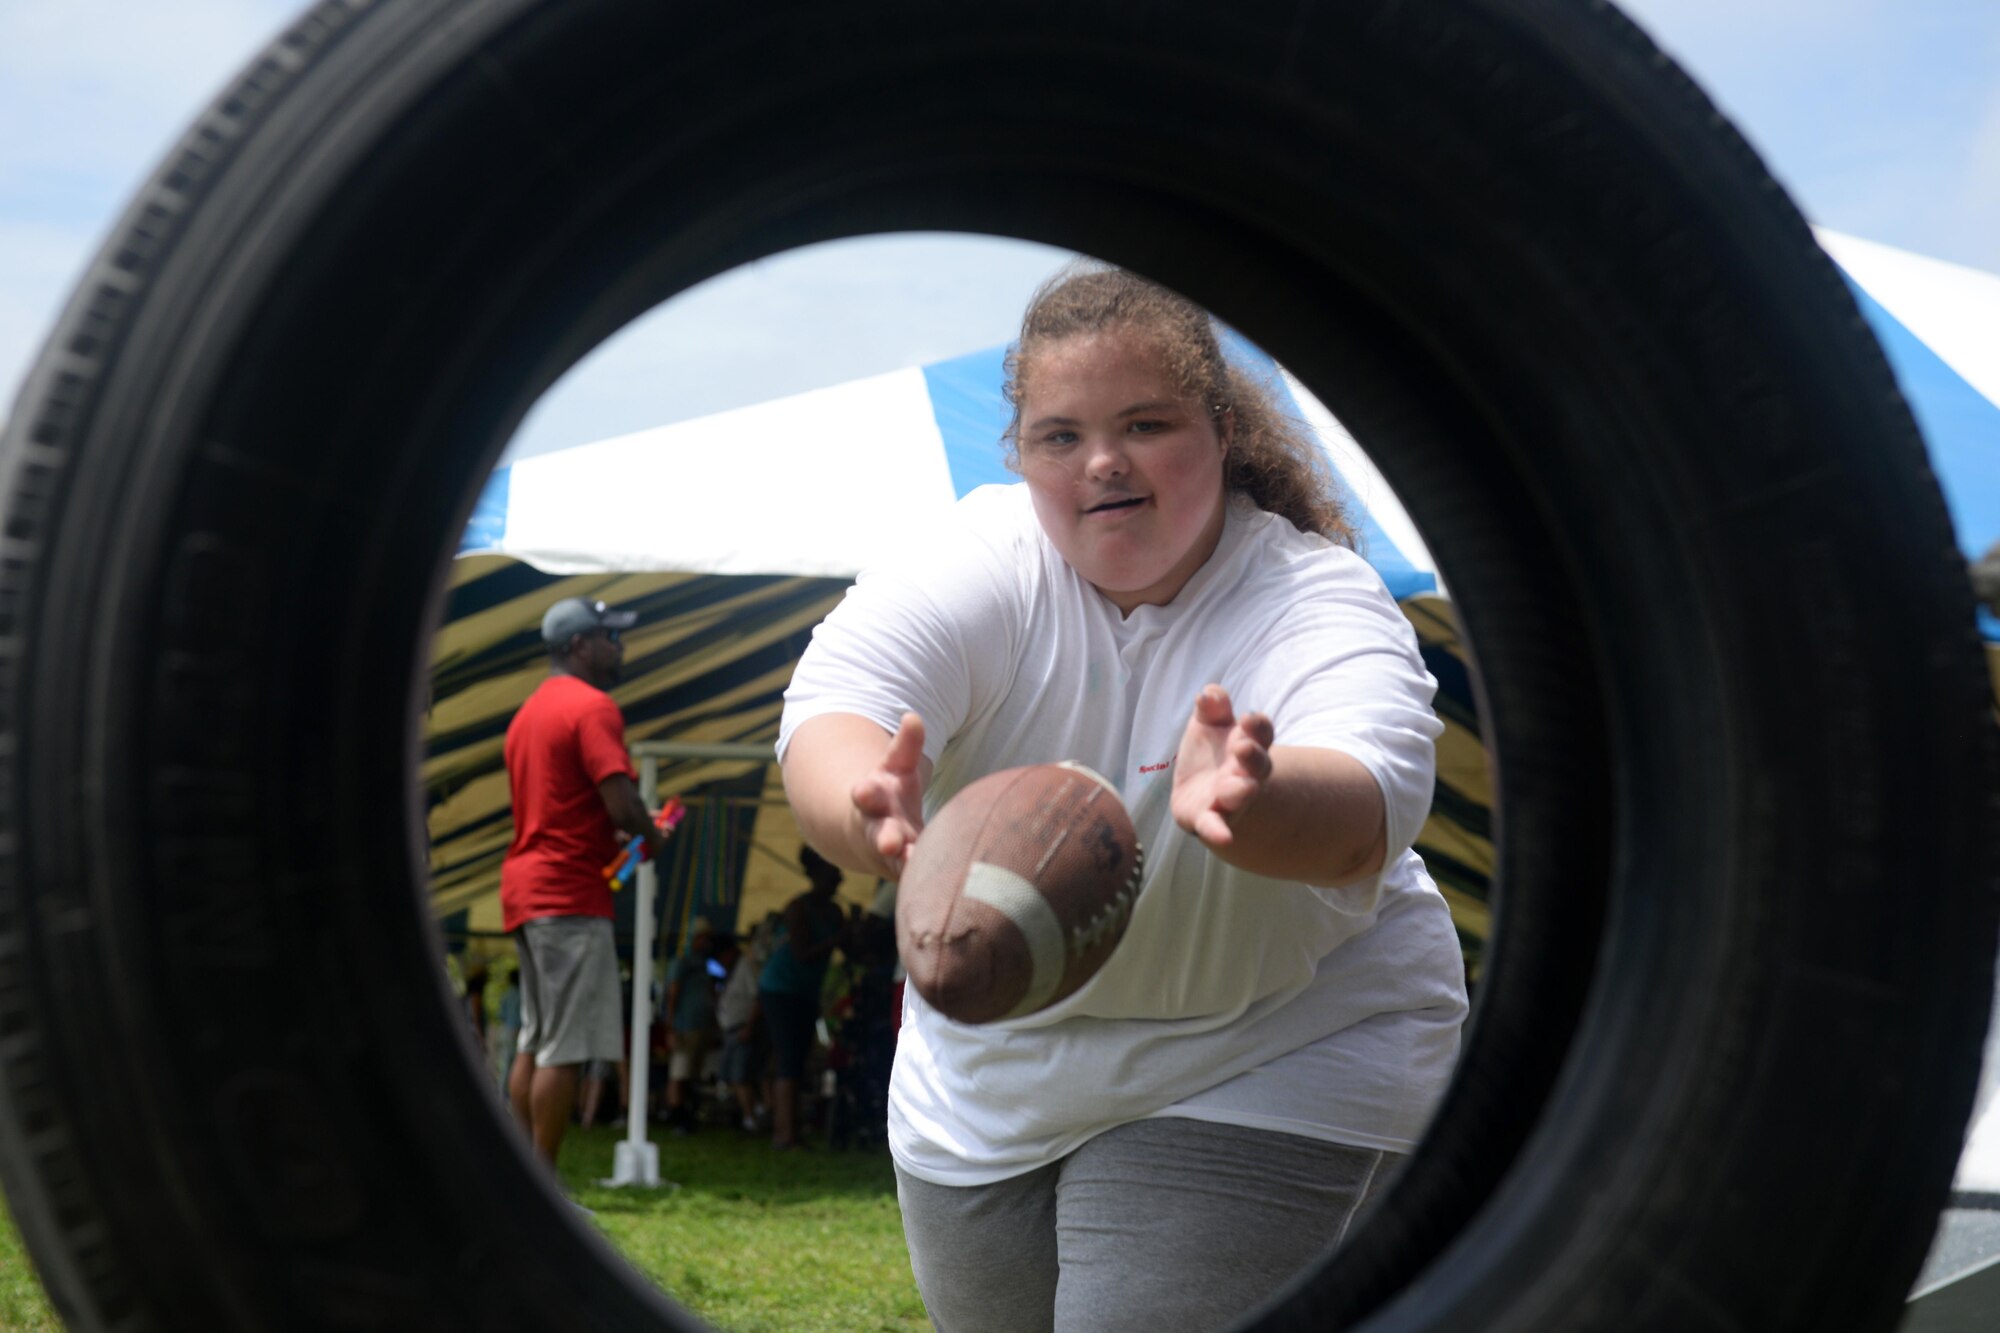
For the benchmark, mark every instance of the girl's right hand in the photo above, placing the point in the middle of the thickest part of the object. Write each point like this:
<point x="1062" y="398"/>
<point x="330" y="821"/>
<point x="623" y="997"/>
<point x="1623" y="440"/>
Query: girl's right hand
<point x="890" y="800"/>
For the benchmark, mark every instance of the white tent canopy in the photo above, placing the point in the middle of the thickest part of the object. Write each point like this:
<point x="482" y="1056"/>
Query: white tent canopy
<point x="822" y="483"/>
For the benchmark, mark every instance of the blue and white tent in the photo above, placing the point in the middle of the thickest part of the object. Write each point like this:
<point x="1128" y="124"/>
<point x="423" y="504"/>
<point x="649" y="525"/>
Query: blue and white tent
<point x="859" y="459"/>
<point x="818" y="483"/>
<point x="733" y="534"/>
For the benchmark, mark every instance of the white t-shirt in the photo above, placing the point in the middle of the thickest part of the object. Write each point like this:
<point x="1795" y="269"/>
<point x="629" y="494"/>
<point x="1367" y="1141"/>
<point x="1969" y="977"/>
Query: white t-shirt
<point x="738" y="1001"/>
<point x="1332" y="1013"/>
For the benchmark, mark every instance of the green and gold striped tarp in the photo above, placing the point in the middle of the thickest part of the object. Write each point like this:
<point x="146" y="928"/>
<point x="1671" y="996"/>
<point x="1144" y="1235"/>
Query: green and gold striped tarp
<point x="709" y="661"/>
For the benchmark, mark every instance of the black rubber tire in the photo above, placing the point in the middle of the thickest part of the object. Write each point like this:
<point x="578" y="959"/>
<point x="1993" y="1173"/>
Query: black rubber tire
<point x="1729" y="1038"/>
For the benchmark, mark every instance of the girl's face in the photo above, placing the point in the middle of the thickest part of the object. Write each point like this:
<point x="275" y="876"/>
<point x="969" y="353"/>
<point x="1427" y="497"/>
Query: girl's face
<point x="1125" y="473"/>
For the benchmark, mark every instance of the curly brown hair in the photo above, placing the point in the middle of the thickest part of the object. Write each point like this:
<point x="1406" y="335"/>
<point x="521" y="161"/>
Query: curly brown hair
<point x="1273" y="456"/>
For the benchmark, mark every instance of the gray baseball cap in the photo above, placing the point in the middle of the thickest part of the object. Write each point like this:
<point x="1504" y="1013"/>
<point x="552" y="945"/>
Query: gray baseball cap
<point x="579" y="615"/>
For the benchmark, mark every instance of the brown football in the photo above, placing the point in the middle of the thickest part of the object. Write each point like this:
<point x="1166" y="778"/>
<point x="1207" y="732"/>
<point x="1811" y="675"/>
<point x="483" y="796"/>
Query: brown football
<point x="1017" y="892"/>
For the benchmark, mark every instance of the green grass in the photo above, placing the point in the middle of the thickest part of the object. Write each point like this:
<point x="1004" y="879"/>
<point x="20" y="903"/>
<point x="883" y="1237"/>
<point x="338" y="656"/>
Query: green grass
<point x="23" y="1307"/>
<point x="753" y="1241"/>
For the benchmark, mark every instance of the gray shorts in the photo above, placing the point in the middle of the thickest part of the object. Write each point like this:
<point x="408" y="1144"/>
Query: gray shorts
<point x="1156" y="1226"/>
<point x="569" y="990"/>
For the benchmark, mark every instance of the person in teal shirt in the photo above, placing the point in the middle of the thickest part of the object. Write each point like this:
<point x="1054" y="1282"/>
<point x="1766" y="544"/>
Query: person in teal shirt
<point x="788" y="990"/>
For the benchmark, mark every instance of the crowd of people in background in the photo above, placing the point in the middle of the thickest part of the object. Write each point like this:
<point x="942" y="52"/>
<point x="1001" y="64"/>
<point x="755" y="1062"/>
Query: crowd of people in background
<point x="790" y="1027"/>
<point x="787" y="1029"/>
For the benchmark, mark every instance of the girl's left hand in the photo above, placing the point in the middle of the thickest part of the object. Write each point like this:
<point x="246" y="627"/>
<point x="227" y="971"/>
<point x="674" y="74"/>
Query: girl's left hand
<point x="1220" y="771"/>
<point x="889" y="800"/>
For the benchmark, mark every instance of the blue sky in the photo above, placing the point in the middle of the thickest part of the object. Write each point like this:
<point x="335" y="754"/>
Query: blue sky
<point x="1882" y="117"/>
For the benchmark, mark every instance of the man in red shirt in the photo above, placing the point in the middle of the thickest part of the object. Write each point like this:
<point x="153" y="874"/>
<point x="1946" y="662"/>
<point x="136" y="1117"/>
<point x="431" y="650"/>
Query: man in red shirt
<point x="575" y="799"/>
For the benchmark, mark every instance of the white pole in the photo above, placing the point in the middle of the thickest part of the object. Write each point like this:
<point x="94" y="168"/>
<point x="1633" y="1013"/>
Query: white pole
<point x="636" y="1160"/>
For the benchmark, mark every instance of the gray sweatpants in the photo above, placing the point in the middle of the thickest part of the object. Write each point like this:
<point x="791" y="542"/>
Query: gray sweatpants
<point x="1159" y="1226"/>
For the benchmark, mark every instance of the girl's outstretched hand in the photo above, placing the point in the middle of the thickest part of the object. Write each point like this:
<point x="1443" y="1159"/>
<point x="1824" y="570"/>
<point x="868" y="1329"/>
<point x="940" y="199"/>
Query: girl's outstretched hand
<point x="1220" y="771"/>
<point x="890" y="799"/>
